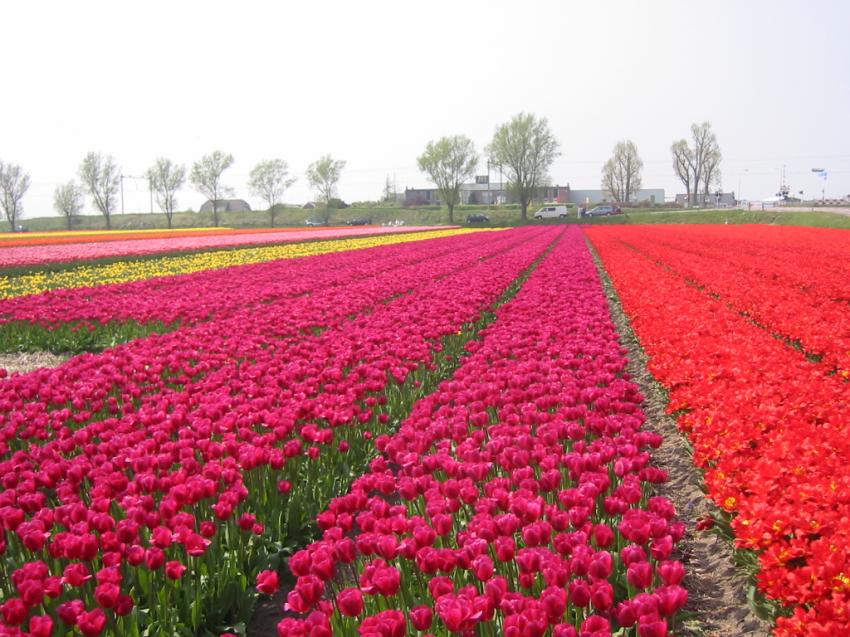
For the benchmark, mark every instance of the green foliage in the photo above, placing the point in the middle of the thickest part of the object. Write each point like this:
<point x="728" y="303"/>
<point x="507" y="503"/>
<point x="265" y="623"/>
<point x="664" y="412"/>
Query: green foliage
<point x="75" y="337"/>
<point x="526" y="148"/>
<point x="503" y="215"/>
<point x="449" y="162"/>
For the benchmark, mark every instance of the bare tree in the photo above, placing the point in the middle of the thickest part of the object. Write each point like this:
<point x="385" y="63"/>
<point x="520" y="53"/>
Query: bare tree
<point x="682" y="161"/>
<point x="692" y="162"/>
<point x="68" y="201"/>
<point x="323" y="175"/>
<point x="389" y="194"/>
<point x="166" y="178"/>
<point x="269" y="180"/>
<point x="526" y="147"/>
<point x="449" y="162"/>
<point x="100" y="176"/>
<point x="621" y="174"/>
<point x="206" y="178"/>
<point x="711" y="170"/>
<point x="14" y="183"/>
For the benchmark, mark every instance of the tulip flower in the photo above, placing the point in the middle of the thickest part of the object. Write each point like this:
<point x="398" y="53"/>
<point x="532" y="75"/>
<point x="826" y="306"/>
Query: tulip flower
<point x="350" y="602"/>
<point x="268" y="582"/>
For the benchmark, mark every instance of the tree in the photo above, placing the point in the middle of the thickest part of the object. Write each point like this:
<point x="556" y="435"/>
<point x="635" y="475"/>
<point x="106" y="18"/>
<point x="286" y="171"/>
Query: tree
<point x="621" y="174"/>
<point x="268" y="181"/>
<point x="68" y="201"/>
<point x="449" y="162"/>
<point x="100" y="176"/>
<point x="323" y="175"/>
<point x="206" y="178"/>
<point x="692" y="163"/>
<point x="526" y="147"/>
<point x="166" y="178"/>
<point x="682" y="161"/>
<point x="711" y="170"/>
<point x="14" y="183"/>
<point x="389" y="191"/>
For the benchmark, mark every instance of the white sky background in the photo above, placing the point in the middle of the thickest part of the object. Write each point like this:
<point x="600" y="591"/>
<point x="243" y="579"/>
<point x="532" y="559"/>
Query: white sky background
<point x="373" y="82"/>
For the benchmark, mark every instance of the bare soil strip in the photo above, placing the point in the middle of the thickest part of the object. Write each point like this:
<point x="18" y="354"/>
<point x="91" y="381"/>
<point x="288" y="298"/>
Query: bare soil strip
<point x="24" y="362"/>
<point x="717" y="603"/>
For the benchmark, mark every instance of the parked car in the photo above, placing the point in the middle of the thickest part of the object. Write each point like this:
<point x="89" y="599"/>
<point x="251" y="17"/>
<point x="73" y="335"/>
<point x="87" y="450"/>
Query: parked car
<point x="551" y="212"/>
<point x="477" y="217"/>
<point x="604" y="211"/>
<point x="315" y="222"/>
<point x="360" y="221"/>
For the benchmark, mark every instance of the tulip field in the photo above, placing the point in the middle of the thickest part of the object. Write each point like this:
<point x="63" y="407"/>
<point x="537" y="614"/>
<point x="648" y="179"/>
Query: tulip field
<point x="56" y="248"/>
<point x="427" y="432"/>
<point x="749" y="329"/>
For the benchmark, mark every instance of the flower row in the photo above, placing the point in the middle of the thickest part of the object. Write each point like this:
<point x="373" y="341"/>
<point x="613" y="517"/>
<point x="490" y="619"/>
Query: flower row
<point x="136" y="270"/>
<point x="791" y="281"/>
<point x="515" y="500"/>
<point x="177" y="242"/>
<point x="143" y="486"/>
<point x="768" y="427"/>
<point x="198" y="296"/>
<point x="9" y="239"/>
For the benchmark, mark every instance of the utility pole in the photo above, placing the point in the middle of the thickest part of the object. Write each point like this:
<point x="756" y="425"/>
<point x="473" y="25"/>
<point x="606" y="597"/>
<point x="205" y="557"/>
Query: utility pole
<point x="150" y="189"/>
<point x="489" y="195"/>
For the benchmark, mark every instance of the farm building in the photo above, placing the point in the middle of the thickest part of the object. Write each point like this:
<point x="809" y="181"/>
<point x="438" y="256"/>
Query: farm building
<point x="227" y="205"/>
<point x="486" y="193"/>
<point x="482" y="192"/>
<point x="652" y="196"/>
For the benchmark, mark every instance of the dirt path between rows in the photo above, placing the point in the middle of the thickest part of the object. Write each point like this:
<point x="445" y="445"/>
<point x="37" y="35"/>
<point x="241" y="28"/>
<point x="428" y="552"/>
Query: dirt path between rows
<point x="24" y="362"/>
<point x="717" y="590"/>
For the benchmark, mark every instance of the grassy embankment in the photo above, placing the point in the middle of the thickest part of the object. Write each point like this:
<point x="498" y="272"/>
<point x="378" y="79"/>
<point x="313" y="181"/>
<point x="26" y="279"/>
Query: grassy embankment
<point x="505" y="216"/>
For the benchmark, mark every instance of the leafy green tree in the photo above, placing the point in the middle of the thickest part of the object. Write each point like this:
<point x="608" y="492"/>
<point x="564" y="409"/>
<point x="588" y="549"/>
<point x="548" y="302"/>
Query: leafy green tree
<point x="101" y="178"/>
<point x="206" y="178"/>
<point x="323" y="176"/>
<point x="268" y="180"/>
<point x="526" y="147"/>
<point x="166" y="178"/>
<point x="449" y="162"/>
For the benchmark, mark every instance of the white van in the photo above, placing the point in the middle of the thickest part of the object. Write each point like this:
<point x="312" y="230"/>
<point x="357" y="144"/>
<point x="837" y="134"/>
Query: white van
<point x="551" y="212"/>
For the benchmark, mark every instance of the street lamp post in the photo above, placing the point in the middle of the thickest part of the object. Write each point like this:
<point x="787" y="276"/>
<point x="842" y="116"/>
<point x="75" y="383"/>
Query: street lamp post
<point x="489" y="194"/>
<point x="821" y="172"/>
<point x="740" y="174"/>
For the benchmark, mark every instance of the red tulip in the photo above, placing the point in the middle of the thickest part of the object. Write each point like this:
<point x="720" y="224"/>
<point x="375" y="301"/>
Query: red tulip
<point x="92" y="623"/>
<point x="41" y="626"/>
<point x="350" y="602"/>
<point x="268" y="582"/>
<point x="421" y="617"/>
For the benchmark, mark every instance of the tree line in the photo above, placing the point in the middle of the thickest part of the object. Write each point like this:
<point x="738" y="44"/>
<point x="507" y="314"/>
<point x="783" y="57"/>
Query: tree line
<point x="100" y="179"/>
<point x="524" y="147"/>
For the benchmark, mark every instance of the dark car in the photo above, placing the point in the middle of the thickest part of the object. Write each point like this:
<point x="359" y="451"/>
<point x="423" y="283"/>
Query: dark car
<point x="361" y="221"/>
<point x="603" y="211"/>
<point x="477" y="218"/>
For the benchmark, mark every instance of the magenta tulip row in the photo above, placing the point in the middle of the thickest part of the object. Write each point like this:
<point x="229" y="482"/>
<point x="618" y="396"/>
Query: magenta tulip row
<point x="516" y="500"/>
<point x="166" y="467"/>
<point x="19" y="256"/>
<point x="199" y="296"/>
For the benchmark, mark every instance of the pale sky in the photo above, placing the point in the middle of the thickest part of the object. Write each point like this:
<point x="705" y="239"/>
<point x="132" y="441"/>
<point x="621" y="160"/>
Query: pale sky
<point x="372" y="82"/>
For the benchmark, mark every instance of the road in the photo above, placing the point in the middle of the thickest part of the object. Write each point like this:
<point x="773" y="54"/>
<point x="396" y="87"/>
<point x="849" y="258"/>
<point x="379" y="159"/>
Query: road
<point x="835" y="209"/>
